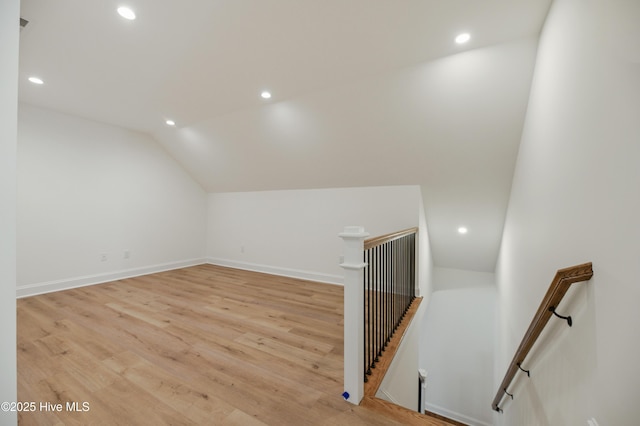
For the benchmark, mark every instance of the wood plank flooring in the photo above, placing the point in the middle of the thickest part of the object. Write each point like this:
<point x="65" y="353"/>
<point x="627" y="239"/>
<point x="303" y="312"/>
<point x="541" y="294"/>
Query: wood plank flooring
<point x="204" y="345"/>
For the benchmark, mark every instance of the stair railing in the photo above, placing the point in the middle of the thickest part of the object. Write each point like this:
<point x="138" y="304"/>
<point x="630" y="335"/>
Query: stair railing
<point x="389" y="289"/>
<point x="561" y="283"/>
<point x="380" y="279"/>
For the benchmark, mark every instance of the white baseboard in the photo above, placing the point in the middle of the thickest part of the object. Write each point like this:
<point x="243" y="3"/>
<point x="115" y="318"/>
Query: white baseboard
<point x="275" y="270"/>
<point x="66" y="284"/>
<point x="455" y="416"/>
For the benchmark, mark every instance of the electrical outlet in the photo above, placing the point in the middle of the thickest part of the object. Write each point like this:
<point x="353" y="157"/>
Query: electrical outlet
<point x="103" y="257"/>
<point x="340" y="260"/>
<point x="241" y="249"/>
<point x="127" y="254"/>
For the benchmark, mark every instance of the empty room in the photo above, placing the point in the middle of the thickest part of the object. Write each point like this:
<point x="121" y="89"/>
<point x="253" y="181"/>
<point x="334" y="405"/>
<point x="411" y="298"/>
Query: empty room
<point x="356" y="212"/>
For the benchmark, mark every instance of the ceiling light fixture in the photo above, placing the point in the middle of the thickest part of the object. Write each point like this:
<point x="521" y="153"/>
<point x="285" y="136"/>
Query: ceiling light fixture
<point x="36" y="80"/>
<point x="463" y="38"/>
<point x="170" y="123"/>
<point x="126" y="13"/>
<point x="265" y="95"/>
<point x="462" y="230"/>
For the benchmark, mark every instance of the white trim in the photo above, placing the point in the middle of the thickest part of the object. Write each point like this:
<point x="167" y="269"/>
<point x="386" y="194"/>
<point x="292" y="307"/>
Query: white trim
<point x="387" y="397"/>
<point x="353" y="232"/>
<point x="276" y="270"/>
<point x="69" y="283"/>
<point x="353" y="350"/>
<point x="455" y="416"/>
<point x="356" y="266"/>
<point x="422" y="373"/>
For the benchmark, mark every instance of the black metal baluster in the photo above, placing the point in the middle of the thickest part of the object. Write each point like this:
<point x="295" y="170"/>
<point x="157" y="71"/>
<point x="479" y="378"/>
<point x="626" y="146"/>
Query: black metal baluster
<point x="385" y="296"/>
<point x="365" y="319"/>
<point x="412" y="260"/>
<point x="388" y="295"/>
<point x="412" y="267"/>
<point x="410" y="279"/>
<point x="399" y="282"/>
<point x="369" y="325"/>
<point x="398" y="285"/>
<point x="393" y="287"/>
<point x="387" y="299"/>
<point x="407" y="272"/>
<point x="388" y="318"/>
<point x="383" y="299"/>
<point x="373" y="302"/>
<point x="392" y="253"/>
<point x="377" y="319"/>
<point x="403" y="278"/>
<point x="370" y="308"/>
<point x="388" y="291"/>
<point x="410" y="274"/>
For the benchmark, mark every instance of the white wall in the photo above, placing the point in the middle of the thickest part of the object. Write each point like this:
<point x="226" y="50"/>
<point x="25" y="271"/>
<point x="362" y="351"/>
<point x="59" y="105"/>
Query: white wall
<point x="400" y="384"/>
<point x="451" y="279"/>
<point x="574" y="199"/>
<point x="425" y="262"/>
<point x="9" y="30"/>
<point x="457" y="345"/>
<point x="87" y="189"/>
<point x="295" y="232"/>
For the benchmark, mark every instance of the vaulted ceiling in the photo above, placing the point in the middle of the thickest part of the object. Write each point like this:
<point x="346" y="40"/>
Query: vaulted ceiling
<point x="364" y="93"/>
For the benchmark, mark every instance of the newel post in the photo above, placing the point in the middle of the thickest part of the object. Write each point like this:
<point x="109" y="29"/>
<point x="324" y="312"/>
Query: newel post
<point x="353" y="265"/>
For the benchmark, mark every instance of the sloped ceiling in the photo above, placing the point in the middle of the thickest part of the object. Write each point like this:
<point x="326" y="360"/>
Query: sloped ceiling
<point x="365" y="92"/>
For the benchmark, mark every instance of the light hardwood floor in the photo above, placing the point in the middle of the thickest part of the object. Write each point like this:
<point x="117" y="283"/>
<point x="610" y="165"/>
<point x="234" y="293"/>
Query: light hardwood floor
<point x="204" y="345"/>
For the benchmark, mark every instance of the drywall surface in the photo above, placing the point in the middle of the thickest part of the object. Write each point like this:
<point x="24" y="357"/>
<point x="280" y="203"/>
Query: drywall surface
<point x="450" y="279"/>
<point x="425" y="257"/>
<point x="575" y="199"/>
<point x="295" y="232"/>
<point x="9" y="30"/>
<point x="96" y="202"/>
<point x="451" y="125"/>
<point x="400" y="384"/>
<point x="457" y="345"/>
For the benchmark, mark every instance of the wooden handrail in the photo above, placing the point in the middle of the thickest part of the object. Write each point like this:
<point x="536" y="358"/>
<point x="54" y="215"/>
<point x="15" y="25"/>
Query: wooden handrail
<point x="376" y="241"/>
<point x="558" y="288"/>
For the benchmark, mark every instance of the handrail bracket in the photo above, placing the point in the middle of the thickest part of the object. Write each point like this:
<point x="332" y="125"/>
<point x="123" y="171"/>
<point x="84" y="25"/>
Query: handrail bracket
<point x="568" y="318"/>
<point x="522" y="369"/>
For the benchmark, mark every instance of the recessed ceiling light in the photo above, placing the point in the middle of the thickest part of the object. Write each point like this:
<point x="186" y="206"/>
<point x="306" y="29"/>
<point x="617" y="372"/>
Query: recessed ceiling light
<point x="36" y="80"/>
<point x="265" y="95"/>
<point x="463" y="38"/>
<point x="170" y="123"/>
<point x="462" y="230"/>
<point x="127" y="13"/>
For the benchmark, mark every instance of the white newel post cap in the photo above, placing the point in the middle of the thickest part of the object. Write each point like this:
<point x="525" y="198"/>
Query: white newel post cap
<point x="353" y="237"/>
<point x="353" y="232"/>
